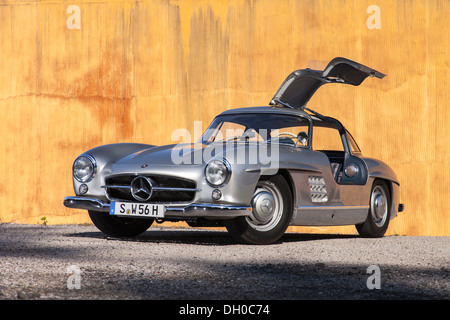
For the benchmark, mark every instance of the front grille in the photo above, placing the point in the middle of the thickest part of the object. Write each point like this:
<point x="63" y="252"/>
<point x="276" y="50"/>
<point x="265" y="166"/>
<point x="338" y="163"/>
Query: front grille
<point x="163" y="188"/>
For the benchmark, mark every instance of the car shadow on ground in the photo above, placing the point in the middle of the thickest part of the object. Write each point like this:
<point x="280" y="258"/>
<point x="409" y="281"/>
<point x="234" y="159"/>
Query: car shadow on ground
<point x="204" y="237"/>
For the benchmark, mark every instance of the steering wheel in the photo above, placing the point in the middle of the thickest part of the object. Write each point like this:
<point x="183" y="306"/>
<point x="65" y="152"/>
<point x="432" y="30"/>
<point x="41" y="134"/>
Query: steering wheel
<point x="286" y="134"/>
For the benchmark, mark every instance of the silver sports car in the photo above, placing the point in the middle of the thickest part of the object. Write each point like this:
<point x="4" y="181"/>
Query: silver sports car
<point x="255" y="171"/>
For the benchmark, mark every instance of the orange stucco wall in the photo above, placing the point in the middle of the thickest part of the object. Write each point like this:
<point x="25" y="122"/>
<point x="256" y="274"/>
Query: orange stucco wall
<point x="137" y="70"/>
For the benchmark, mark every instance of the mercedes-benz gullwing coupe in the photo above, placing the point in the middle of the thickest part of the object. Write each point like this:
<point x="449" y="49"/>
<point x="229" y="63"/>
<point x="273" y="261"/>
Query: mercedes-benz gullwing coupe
<point x="255" y="171"/>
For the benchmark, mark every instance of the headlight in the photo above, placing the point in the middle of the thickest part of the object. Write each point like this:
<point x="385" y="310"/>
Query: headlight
<point x="217" y="172"/>
<point x="84" y="168"/>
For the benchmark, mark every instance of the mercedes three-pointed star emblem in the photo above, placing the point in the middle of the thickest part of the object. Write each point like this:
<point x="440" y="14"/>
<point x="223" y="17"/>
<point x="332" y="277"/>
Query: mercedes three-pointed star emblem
<point x="142" y="188"/>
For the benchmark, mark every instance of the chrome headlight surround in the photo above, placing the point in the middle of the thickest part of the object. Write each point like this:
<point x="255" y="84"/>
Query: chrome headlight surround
<point x="218" y="172"/>
<point x="84" y="168"/>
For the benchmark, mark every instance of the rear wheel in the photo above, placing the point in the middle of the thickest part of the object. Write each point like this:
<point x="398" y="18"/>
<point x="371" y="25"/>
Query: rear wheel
<point x="378" y="218"/>
<point x="119" y="227"/>
<point x="271" y="214"/>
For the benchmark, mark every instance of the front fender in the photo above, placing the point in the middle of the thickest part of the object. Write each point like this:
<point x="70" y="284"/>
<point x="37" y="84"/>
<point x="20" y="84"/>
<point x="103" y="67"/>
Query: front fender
<point x="105" y="156"/>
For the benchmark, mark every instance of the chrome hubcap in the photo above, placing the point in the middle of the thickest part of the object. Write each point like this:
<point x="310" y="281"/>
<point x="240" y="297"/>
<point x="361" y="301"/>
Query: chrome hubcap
<point x="379" y="206"/>
<point x="267" y="207"/>
<point x="263" y="205"/>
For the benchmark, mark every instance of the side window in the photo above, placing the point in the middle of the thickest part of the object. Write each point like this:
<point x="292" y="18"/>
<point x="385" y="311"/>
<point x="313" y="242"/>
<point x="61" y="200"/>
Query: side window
<point x="326" y="139"/>
<point x="353" y="144"/>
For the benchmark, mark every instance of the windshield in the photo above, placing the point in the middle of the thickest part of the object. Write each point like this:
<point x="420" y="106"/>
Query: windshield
<point x="263" y="127"/>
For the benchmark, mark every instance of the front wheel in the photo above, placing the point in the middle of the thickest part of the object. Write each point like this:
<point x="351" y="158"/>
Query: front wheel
<point x="271" y="214"/>
<point x="378" y="218"/>
<point x="119" y="227"/>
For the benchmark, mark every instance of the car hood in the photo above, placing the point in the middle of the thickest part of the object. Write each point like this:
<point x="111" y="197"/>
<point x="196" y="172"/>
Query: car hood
<point x="300" y="85"/>
<point x="195" y="154"/>
<point x="162" y="155"/>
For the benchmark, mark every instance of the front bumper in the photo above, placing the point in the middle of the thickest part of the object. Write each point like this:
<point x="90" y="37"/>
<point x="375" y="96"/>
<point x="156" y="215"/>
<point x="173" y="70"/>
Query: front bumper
<point x="205" y="210"/>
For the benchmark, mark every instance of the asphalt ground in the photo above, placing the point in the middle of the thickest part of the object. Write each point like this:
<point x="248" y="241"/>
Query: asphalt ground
<point x="77" y="262"/>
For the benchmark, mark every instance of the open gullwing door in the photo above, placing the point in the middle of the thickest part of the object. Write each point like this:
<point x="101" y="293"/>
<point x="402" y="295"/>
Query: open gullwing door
<point x="300" y="85"/>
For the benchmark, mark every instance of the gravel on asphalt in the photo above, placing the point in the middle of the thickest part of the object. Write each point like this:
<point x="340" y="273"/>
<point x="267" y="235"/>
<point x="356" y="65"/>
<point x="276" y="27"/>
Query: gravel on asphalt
<point x="77" y="262"/>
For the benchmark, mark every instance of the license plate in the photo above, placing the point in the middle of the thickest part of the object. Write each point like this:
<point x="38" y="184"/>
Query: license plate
<point x="145" y="210"/>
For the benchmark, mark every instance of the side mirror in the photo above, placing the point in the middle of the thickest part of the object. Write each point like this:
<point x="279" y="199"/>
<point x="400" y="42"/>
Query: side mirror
<point x="302" y="138"/>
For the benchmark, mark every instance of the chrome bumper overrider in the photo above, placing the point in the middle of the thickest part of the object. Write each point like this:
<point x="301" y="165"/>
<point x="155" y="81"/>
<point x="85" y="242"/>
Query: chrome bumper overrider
<point x="191" y="210"/>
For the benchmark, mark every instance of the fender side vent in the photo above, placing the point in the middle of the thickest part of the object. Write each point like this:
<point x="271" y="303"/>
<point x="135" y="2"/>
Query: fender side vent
<point x="318" y="189"/>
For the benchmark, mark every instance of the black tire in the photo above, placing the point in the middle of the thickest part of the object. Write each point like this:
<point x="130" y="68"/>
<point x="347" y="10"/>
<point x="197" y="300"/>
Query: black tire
<point x="379" y="214"/>
<point x="269" y="226"/>
<point x="119" y="227"/>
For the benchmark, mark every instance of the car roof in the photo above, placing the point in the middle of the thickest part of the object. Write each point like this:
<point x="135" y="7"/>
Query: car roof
<point x="268" y="109"/>
<point x="317" y="119"/>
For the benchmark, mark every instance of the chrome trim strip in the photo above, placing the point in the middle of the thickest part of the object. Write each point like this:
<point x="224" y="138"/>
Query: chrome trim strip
<point x="333" y="207"/>
<point x="333" y="215"/>
<point x="116" y="187"/>
<point x="174" y="189"/>
<point x="86" y="203"/>
<point x="154" y="188"/>
<point x="191" y="210"/>
<point x="204" y="206"/>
